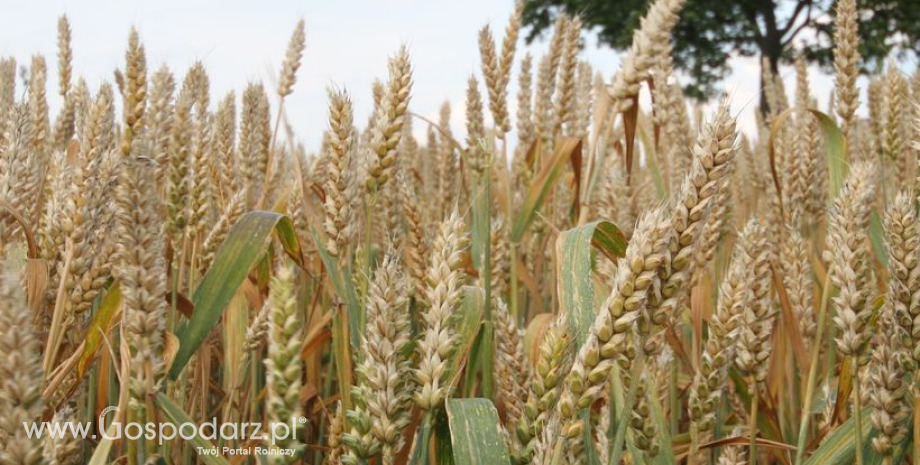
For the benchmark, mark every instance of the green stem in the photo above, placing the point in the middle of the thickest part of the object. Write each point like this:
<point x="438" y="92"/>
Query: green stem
<point x="368" y="243"/>
<point x="421" y="453"/>
<point x="174" y="299"/>
<point x="486" y="204"/>
<point x="812" y="373"/>
<point x="916" y="427"/>
<point x="513" y="298"/>
<point x="634" y="379"/>
<point x="674" y="398"/>
<point x="488" y="336"/>
<point x="752" y="425"/>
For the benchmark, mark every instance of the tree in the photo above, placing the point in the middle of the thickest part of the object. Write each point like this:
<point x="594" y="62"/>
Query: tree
<point x="711" y="31"/>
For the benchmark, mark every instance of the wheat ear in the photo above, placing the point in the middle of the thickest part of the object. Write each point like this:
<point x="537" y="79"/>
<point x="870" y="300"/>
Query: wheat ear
<point x="706" y="390"/>
<point x="712" y="155"/>
<point x="135" y="90"/>
<point x="442" y="295"/>
<point x="292" y="60"/>
<point x="388" y="130"/>
<point x="637" y="278"/>
<point x="649" y="41"/>
<point x="849" y="254"/>
<point x="283" y="365"/>
<point x="20" y="375"/>
<point x="384" y="373"/>
<point x="889" y="394"/>
<point x="341" y="143"/>
<point x="846" y="63"/>
<point x="552" y="365"/>
<point x="141" y="270"/>
<point x="903" y="244"/>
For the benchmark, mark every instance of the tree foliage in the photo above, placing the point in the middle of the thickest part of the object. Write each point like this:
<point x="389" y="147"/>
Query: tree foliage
<point x="710" y="32"/>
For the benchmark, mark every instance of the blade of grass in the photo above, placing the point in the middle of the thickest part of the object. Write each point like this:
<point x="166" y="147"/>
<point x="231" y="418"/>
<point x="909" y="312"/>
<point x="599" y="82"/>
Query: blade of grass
<point x="476" y="432"/>
<point x="567" y="150"/>
<point x="245" y="245"/>
<point x="177" y="416"/>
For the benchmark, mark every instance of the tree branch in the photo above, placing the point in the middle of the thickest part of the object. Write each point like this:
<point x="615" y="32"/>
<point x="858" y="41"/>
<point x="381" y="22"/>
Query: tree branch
<point x="797" y="30"/>
<point x="795" y="15"/>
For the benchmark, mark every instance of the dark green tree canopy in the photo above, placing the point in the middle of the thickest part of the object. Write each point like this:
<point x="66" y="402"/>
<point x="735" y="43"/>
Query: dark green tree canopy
<point x="711" y="31"/>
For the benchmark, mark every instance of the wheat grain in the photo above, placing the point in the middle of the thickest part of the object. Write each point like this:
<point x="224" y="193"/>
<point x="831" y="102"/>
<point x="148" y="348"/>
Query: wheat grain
<point x="65" y="450"/>
<point x="495" y="81"/>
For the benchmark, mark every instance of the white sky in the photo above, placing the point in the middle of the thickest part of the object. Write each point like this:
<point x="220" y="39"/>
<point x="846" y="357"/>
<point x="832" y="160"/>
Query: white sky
<point x="347" y="45"/>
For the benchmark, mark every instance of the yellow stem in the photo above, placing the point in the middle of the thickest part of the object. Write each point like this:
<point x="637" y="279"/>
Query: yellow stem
<point x="752" y="425"/>
<point x="857" y="402"/>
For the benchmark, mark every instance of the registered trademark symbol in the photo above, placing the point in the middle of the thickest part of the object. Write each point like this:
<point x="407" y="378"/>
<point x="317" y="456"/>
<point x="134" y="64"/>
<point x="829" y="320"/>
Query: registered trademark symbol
<point x="302" y="420"/>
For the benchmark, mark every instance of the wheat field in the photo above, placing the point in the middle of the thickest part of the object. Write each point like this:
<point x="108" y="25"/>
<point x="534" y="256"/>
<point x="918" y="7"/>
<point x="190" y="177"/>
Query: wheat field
<point x="588" y="276"/>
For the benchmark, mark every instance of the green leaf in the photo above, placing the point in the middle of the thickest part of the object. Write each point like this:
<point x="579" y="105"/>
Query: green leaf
<point x="246" y="244"/>
<point x="837" y="161"/>
<point x="102" y="323"/>
<point x="573" y="267"/>
<point x="346" y="340"/>
<point x="840" y="447"/>
<point x="476" y="432"/>
<point x="102" y="450"/>
<point x="480" y="363"/>
<point x="877" y="238"/>
<point x="651" y="158"/>
<point x="344" y="286"/>
<point x="479" y="232"/>
<point x="567" y="150"/>
<point x="666" y="454"/>
<point x="468" y="320"/>
<point x="176" y="416"/>
<point x="444" y="450"/>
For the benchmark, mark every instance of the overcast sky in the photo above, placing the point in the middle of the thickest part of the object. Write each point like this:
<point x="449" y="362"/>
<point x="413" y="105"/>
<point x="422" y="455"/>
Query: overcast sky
<point x="347" y="45"/>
